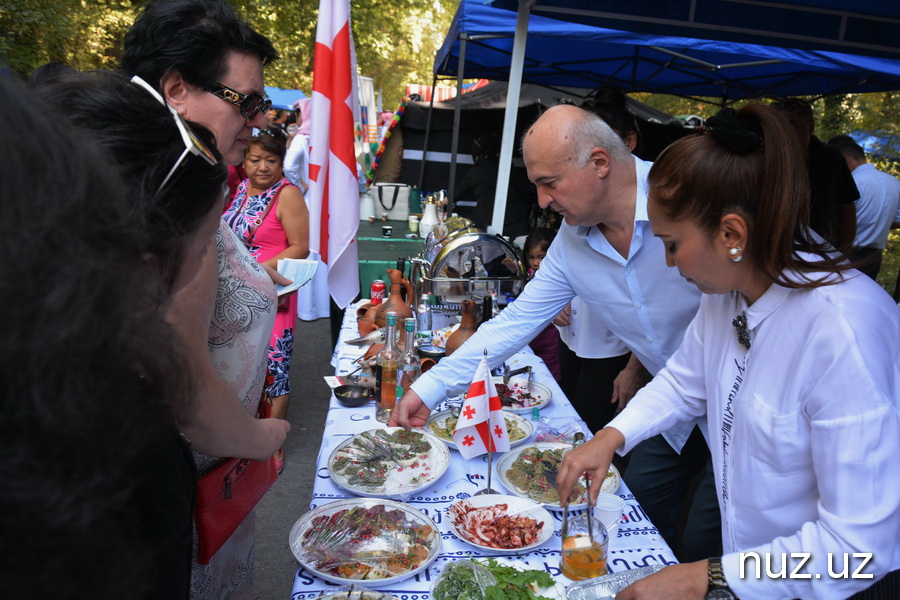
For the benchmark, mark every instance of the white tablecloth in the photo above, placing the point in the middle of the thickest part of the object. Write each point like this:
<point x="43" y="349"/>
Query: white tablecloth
<point x="636" y="544"/>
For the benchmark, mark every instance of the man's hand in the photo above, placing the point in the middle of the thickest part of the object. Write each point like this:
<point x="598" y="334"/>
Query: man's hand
<point x="562" y="319"/>
<point x="592" y="457"/>
<point x="677" y="582"/>
<point x="627" y="383"/>
<point x="409" y="411"/>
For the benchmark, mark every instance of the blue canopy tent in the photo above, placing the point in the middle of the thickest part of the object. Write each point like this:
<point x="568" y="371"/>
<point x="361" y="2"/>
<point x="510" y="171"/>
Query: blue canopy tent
<point x="558" y="53"/>
<point x="730" y="55"/>
<point x="869" y="28"/>
<point x="283" y="98"/>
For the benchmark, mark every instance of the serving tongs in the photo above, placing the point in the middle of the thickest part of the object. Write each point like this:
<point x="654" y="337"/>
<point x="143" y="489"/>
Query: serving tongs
<point x="373" y="337"/>
<point x="564" y="530"/>
<point x="507" y="374"/>
<point x="379" y="448"/>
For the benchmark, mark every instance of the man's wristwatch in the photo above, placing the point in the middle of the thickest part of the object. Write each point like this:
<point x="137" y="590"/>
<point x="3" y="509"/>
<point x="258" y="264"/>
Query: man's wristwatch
<point x="718" y="587"/>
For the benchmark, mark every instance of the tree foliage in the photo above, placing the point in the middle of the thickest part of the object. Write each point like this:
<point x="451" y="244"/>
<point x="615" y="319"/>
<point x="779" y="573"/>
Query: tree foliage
<point x="395" y="45"/>
<point x="395" y="41"/>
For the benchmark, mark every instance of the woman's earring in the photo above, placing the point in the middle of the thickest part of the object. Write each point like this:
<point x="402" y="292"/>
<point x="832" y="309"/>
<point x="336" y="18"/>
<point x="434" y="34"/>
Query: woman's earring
<point x="735" y="253"/>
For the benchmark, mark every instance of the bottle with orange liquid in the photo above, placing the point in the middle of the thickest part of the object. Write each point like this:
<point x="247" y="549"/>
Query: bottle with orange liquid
<point x="387" y="362"/>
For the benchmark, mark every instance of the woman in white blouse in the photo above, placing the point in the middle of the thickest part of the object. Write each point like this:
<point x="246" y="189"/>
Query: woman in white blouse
<point x="793" y="360"/>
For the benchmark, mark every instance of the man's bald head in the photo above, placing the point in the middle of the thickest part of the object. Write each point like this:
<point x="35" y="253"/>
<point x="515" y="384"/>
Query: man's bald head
<point x="572" y="133"/>
<point x="577" y="164"/>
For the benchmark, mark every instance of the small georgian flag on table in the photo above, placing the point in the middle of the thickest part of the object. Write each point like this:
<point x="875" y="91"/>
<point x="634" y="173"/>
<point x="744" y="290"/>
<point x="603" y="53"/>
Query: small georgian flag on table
<point x="481" y="427"/>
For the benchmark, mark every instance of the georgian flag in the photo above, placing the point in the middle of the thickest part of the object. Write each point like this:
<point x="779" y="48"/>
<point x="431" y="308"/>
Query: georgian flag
<point x="334" y="188"/>
<point x="481" y="427"/>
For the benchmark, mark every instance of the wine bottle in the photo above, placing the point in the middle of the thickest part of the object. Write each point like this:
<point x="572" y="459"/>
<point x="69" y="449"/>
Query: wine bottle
<point x="410" y="368"/>
<point x="386" y="362"/>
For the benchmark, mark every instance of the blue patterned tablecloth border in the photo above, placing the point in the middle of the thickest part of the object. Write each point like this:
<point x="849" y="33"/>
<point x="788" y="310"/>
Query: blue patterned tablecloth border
<point x="637" y="542"/>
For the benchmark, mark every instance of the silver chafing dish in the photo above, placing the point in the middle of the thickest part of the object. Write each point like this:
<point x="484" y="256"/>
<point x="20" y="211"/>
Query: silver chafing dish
<point x="467" y="263"/>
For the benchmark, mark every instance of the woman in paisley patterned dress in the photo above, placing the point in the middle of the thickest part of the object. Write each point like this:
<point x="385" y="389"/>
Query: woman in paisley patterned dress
<point x="269" y="214"/>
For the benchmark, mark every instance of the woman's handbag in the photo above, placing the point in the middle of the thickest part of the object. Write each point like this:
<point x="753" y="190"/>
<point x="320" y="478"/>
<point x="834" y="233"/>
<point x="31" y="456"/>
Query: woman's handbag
<point x="393" y="199"/>
<point x="227" y="494"/>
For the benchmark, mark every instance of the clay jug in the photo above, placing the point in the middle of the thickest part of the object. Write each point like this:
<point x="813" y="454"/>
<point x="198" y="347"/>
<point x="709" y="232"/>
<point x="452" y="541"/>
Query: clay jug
<point x="365" y="318"/>
<point x="395" y="301"/>
<point x="466" y="327"/>
<point x="397" y="276"/>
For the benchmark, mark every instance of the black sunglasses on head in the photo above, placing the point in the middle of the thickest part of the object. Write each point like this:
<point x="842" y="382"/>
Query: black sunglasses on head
<point x="250" y="104"/>
<point x="273" y="132"/>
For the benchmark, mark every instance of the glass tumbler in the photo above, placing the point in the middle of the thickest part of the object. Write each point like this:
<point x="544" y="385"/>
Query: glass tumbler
<point x="583" y="549"/>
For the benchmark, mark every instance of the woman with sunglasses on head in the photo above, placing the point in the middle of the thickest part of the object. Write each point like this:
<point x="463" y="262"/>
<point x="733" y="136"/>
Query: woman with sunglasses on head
<point x="793" y="359"/>
<point x="120" y="213"/>
<point x="218" y="424"/>
<point x="269" y="214"/>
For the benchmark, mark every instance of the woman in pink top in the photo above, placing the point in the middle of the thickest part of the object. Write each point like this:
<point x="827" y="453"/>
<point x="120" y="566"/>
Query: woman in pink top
<point x="269" y="214"/>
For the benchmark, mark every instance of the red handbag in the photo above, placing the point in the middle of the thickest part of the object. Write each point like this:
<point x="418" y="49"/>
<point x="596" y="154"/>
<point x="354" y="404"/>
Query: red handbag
<point x="227" y="494"/>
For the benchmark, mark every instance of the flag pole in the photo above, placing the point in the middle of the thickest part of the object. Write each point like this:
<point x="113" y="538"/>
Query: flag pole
<point x="490" y="450"/>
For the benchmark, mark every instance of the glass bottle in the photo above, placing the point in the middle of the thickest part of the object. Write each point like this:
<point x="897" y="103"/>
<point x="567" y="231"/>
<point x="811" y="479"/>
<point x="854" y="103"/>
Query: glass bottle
<point x="410" y="368"/>
<point x="386" y="362"/>
<point x="424" y="332"/>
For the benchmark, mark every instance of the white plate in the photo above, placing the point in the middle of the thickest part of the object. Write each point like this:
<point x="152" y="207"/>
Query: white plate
<point x="439" y="418"/>
<point x="610" y="485"/>
<point x="515" y="506"/>
<point x="555" y="592"/>
<point x="402" y="480"/>
<point x="411" y="516"/>
<point x="541" y="394"/>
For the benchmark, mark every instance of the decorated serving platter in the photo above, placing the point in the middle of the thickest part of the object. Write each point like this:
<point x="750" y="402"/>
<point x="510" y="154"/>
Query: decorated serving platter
<point x="500" y="523"/>
<point x="442" y="423"/>
<point x="390" y="462"/>
<point x="365" y="541"/>
<point x="530" y="472"/>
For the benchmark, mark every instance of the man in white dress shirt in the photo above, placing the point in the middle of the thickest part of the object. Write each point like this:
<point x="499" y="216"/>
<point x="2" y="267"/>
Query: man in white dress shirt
<point x="876" y="209"/>
<point x="605" y="254"/>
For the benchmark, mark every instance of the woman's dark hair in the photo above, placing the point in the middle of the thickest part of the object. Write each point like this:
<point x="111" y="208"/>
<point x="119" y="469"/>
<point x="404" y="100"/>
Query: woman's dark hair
<point x="273" y="140"/>
<point x="753" y="167"/>
<point x="609" y="103"/>
<point x="192" y="38"/>
<point x="86" y="362"/>
<point x="540" y="237"/>
<point x="140" y="136"/>
<point x="47" y="72"/>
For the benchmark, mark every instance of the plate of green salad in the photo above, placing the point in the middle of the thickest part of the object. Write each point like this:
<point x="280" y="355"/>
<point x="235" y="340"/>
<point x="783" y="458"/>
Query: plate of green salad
<point x="495" y="579"/>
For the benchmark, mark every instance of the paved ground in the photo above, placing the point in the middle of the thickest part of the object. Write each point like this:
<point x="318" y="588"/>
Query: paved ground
<point x="289" y="497"/>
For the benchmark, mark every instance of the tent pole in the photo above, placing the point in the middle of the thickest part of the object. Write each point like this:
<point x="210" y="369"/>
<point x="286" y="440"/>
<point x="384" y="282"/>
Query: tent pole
<point x="509" y="119"/>
<point x="427" y="132"/>
<point x="457" y="114"/>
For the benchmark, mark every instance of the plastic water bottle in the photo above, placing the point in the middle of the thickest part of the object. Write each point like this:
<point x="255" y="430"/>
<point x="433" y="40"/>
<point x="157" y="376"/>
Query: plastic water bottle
<point x="423" y="322"/>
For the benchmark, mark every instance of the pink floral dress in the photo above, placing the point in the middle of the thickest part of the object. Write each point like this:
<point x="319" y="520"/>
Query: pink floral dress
<point x="255" y="221"/>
